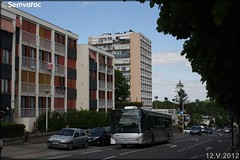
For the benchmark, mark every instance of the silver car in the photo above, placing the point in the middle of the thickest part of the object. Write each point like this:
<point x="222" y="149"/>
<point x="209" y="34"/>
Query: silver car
<point x="68" y="138"/>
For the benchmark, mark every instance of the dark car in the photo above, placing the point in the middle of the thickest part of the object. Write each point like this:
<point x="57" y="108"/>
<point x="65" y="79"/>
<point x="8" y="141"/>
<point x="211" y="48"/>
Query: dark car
<point x="209" y="131"/>
<point x="99" y="136"/>
<point x="195" y="130"/>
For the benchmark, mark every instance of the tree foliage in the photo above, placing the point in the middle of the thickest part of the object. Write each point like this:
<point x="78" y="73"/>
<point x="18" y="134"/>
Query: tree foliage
<point x="121" y="87"/>
<point x="181" y="96"/>
<point x="211" y="33"/>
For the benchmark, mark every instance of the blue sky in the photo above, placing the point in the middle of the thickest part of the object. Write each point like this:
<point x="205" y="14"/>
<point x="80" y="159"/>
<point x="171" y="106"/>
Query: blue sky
<point x="86" y="18"/>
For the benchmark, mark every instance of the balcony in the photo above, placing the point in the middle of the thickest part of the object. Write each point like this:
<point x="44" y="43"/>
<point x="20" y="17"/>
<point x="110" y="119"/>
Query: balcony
<point x="29" y="39"/>
<point x="59" y="69"/>
<point x="29" y="63"/>
<point x="43" y="110"/>
<point x="43" y="88"/>
<point x="109" y="86"/>
<point x="101" y="68"/>
<point x="109" y="103"/>
<point x="28" y="88"/>
<point x="45" y="44"/>
<point x="28" y="112"/>
<point x="60" y="49"/>
<point x="102" y="85"/>
<point x="102" y="103"/>
<point x="45" y="66"/>
<point x="60" y="91"/>
<point x="110" y="70"/>
<point x="60" y="110"/>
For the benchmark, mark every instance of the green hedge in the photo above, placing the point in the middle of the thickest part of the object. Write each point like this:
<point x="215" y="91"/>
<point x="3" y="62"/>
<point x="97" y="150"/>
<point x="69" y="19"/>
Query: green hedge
<point x="72" y="118"/>
<point x="12" y="130"/>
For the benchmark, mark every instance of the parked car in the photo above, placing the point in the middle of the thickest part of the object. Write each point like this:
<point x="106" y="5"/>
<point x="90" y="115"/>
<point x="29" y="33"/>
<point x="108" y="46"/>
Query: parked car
<point x="99" y="136"/>
<point x="196" y="130"/>
<point x="226" y="130"/>
<point x="68" y="138"/>
<point x="186" y="131"/>
<point x="209" y="131"/>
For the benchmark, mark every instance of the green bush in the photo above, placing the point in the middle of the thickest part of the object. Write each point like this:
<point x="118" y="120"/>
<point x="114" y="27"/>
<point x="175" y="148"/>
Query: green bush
<point x="9" y="130"/>
<point x="72" y="118"/>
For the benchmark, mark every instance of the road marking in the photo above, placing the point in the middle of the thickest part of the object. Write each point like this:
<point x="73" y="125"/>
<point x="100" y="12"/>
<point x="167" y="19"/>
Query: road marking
<point x="131" y="152"/>
<point x="91" y="152"/>
<point x="181" y="150"/>
<point x="109" y="157"/>
<point x="57" y="157"/>
<point x="173" y="146"/>
<point x="207" y="148"/>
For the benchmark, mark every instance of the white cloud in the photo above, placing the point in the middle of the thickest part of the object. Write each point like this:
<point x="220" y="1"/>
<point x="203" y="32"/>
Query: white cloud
<point x="169" y="58"/>
<point x="168" y="69"/>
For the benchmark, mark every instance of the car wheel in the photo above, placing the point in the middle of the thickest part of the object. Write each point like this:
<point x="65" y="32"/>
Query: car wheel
<point x="102" y="142"/>
<point x="85" y="145"/>
<point x="70" y="146"/>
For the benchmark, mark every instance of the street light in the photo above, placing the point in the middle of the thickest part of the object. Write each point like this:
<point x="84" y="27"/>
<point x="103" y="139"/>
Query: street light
<point x="46" y="91"/>
<point x="156" y="97"/>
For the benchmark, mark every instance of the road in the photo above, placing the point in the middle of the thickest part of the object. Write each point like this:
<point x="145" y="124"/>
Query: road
<point x="182" y="147"/>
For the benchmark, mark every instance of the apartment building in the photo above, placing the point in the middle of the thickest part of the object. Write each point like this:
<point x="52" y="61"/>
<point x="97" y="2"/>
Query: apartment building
<point x="37" y="66"/>
<point x="132" y="52"/>
<point x="97" y="84"/>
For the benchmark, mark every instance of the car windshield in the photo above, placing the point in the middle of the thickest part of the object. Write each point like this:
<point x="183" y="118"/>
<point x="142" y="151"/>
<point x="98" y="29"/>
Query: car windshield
<point x="195" y="127"/>
<point x="97" y="131"/>
<point x="65" y="132"/>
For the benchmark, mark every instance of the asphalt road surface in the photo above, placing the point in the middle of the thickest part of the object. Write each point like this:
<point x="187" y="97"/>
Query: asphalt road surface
<point x="216" y="146"/>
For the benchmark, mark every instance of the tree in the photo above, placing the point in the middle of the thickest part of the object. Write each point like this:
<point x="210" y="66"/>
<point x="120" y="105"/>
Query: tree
<point x="121" y="87"/>
<point x="182" y="96"/>
<point x="211" y="33"/>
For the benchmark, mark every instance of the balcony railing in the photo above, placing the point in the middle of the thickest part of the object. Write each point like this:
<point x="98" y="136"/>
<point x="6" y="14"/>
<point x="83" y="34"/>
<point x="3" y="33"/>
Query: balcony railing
<point x="60" y="91"/>
<point x="102" y="103"/>
<point x="28" y="88"/>
<point x="109" y="86"/>
<point x="43" y="110"/>
<point x="29" y="38"/>
<point x="101" y="68"/>
<point x="109" y="103"/>
<point x="102" y="85"/>
<point x="28" y="112"/>
<point x="60" y="110"/>
<point x="59" y="69"/>
<point x="45" y="44"/>
<point x="60" y="48"/>
<point x="43" y="88"/>
<point x="29" y="63"/>
<point x="110" y="70"/>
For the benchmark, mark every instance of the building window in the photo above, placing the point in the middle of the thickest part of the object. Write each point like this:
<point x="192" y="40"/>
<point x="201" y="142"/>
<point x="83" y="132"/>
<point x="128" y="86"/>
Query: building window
<point x="6" y="56"/>
<point x="40" y="102"/>
<point x="23" y="102"/>
<point x="4" y="86"/>
<point x="32" y="102"/>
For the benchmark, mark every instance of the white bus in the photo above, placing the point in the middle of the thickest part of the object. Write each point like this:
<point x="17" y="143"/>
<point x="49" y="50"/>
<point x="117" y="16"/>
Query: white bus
<point x="140" y="126"/>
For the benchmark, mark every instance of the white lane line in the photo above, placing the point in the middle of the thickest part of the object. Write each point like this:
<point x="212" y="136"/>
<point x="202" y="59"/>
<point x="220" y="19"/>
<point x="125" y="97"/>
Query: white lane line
<point x="109" y="157"/>
<point x="181" y="150"/>
<point x="57" y="157"/>
<point x="173" y="146"/>
<point x="131" y="152"/>
<point x="91" y="152"/>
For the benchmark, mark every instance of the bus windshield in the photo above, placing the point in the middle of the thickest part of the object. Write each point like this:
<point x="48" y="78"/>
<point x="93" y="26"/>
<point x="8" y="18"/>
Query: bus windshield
<point x="126" y="121"/>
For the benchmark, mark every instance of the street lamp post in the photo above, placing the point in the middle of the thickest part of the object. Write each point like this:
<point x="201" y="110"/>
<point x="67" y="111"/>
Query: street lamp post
<point x="156" y="97"/>
<point x="46" y="91"/>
